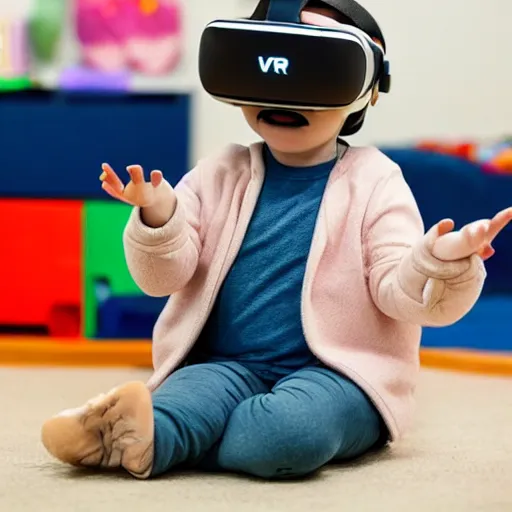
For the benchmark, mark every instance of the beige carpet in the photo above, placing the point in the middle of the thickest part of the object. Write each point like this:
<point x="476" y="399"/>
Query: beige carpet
<point x="458" y="459"/>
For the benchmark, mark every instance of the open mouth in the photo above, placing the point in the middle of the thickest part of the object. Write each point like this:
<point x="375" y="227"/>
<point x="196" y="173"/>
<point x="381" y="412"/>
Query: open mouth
<point x="284" y="118"/>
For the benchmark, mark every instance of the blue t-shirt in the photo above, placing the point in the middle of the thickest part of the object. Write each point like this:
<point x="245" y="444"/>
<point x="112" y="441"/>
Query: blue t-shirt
<point x="256" y="320"/>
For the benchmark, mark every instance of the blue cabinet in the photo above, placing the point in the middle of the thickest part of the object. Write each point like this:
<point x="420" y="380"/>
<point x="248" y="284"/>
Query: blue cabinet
<point x="52" y="144"/>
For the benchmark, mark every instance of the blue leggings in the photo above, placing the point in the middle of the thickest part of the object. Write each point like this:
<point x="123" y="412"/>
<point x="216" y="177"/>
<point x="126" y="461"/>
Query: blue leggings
<point x="222" y="417"/>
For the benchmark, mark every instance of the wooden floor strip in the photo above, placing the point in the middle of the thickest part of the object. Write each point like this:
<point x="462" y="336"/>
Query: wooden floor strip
<point x="21" y="351"/>
<point x="468" y="361"/>
<point x="34" y="352"/>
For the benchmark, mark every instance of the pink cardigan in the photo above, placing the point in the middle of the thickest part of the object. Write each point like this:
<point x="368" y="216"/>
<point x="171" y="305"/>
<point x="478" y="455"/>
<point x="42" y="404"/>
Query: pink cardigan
<point x="371" y="281"/>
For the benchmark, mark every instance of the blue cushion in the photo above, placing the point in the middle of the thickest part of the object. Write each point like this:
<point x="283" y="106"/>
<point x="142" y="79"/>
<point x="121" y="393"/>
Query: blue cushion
<point x="128" y="317"/>
<point x="487" y="327"/>
<point x="448" y="186"/>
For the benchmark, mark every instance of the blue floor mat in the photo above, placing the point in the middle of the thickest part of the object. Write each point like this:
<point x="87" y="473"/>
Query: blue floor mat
<point x="487" y="327"/>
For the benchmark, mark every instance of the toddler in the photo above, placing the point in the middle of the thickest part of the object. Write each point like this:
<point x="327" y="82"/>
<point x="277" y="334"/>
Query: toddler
<point x="299" y="277"/>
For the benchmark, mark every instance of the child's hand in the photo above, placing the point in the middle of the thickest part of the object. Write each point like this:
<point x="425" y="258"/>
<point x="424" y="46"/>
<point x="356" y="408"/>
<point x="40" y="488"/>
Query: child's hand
<point x="475" y="238"/>
<point x="137" y="192"/>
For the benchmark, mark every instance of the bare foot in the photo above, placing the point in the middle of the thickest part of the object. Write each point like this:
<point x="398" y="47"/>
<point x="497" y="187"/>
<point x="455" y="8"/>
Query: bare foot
<point x="111" y="431"/>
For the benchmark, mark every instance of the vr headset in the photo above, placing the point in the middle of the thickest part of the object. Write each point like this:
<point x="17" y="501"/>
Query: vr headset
<point x="273" y="60"/>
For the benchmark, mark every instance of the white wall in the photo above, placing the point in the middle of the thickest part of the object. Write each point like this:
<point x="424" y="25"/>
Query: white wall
<point x="451" y="62"/>
<point x="452" y="70"/>
<point x="452" y="74"/>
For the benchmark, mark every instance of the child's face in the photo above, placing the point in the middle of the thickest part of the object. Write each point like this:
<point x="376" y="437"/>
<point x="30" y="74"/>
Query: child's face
<point x="298" y="131"/>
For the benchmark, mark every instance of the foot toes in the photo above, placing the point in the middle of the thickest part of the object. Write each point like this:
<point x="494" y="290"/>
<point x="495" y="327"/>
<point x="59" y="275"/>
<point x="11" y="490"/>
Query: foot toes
<point x="67" y="440"/>
<point x="111" y="430"/>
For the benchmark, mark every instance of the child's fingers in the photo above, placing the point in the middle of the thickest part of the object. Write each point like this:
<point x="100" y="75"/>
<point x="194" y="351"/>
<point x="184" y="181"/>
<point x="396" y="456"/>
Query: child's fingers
<point x="438" y="231"/>
<point x="445" y="226"/>
<point x="111" y="191"/>
<point x="487" y="252"/>
<point x="456" y="245"/>
<point x="156" y="178"/>
<point x="136" y="174"/>
<point x="476" y="234"/>
<point x="498" y="223"/>
<point x="112" y="182"/>
<point x="110" y="176"/>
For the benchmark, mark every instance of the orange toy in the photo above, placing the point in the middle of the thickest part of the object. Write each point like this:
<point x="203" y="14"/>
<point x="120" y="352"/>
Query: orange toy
<point x="503" y="161"/>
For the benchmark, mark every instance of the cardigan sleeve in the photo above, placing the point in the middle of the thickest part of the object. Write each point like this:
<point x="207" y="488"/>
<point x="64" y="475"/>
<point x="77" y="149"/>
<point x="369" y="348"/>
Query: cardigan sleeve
<point x="406" y="281"/>
<point x="163" y="260"/>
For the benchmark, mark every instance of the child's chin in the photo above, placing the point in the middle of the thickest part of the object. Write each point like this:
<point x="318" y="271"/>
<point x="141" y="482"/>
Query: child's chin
<point x="286" y="140"/>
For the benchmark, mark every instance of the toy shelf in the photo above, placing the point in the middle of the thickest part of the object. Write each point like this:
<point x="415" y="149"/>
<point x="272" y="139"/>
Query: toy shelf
<point x="50" y="78"/>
